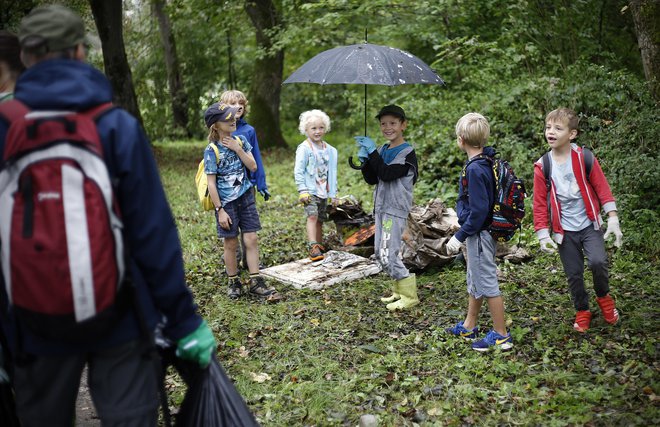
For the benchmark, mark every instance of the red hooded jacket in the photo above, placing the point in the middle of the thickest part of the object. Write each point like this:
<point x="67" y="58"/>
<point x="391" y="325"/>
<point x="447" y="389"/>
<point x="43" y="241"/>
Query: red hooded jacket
<point x="594" y="189"/>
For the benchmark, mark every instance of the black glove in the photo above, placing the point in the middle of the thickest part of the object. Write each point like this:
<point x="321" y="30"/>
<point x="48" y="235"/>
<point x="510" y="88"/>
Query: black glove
<point x="265" y="194"/>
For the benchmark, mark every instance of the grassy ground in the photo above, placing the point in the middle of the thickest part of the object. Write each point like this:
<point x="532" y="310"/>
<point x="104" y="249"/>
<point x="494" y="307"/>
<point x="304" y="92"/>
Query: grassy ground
<point x="327" y="357"/>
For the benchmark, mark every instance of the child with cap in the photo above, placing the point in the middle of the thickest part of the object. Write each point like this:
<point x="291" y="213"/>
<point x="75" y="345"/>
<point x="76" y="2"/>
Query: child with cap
<point x="569" y="203"/>
<point x="237" y="99"/>
<point x="474" y="216"/>
<point x="315" y="173"/>
<point x="235" y="207"/>
<point x="393" y="170"/>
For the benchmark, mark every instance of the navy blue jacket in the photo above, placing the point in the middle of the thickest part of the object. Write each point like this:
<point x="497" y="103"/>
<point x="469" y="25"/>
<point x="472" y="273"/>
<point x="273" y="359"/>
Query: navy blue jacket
<point x="156" y="264"/>
<point x="258" y="177"/>
<point x="475" y="203"/>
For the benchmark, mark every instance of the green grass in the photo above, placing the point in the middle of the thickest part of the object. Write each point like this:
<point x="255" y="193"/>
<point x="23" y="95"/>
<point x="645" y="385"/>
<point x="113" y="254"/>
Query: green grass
<point x="334" y="355"/>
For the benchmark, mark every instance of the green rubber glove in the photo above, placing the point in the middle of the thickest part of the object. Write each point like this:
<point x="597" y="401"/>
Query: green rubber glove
<point x="197" y="346"/>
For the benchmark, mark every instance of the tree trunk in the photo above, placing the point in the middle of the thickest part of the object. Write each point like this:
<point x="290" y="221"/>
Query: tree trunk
<point x="177" y="92"/>
<point x="108" y="18"/>
<point x="646" y="15"/>
<point x="267" y="79"/>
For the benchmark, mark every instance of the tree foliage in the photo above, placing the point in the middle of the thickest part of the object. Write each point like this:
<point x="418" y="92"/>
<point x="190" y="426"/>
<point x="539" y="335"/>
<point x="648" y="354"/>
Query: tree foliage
<point x="512" y="61"/>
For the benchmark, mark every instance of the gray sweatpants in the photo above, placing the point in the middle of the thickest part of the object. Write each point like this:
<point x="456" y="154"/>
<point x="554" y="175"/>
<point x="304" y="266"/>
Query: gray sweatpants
<point x="387" y="245"/>
<point x="574" y="247"/>
<point x="122" y="382"/>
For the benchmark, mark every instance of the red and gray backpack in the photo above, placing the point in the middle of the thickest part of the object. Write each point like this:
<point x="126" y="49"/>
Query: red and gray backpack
<point x="61" y="242"/>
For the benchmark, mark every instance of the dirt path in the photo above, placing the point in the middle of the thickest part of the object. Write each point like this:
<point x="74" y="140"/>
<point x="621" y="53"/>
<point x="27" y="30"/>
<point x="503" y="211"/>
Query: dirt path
<point x="85" y="412"/>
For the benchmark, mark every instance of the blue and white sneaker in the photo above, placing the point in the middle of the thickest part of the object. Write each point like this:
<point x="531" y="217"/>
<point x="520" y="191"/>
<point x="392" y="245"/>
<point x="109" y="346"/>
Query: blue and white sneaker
<point x="460" y="331"/>
<point x="493" y="340"/>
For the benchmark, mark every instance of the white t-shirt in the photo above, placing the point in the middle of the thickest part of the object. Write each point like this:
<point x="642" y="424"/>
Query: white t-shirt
<point x="322" y="162"/>
<point x="573" y="212"/>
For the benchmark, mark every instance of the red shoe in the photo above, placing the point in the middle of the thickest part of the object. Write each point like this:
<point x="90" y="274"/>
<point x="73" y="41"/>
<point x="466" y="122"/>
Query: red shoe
<point x="582" y="321"/>
<point x="610" y="313"/>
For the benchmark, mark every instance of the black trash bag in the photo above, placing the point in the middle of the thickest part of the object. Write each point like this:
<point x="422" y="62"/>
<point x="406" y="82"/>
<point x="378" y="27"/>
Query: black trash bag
<point x="8" y="416"/>
<point x="7" y="406"/>
<point x="211" y="399"/>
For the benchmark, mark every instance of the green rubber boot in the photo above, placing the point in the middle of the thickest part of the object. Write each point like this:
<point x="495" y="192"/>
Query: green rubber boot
<point x="408" y="292"/>
<point x="395" y="294"/>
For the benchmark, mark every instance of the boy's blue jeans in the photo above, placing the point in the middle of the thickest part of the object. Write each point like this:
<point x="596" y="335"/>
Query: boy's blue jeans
<point x="575" y="246"/>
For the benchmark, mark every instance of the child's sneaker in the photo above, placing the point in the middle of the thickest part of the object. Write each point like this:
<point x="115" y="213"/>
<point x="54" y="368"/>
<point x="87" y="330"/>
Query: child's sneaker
<point x="493" y="340"/>
<point x="235" y="288"/>
<point x="460" y="331"/>
<point x="259" y="289"/>
<point x="582" y="321"/>
<point x="610" y="313"/>
<point x="315" y="252"/>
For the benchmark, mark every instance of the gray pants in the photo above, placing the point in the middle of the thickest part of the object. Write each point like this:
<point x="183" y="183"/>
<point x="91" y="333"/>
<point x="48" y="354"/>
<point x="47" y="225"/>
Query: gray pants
<point x="122" y="382"/>
<point x="575" y="246"/>
<point x="387" y="245"/>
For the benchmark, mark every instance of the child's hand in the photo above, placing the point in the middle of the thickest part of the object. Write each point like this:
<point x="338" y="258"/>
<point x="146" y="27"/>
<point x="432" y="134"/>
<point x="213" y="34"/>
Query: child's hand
<point x="304" y="198"/>
<point x="453" y="246"/>
<point x="265" y="194"/>
<point x="613" y="227"/>
<point x="224" y="220"/>
<point x="547" y="245"/>
<point x="366" y="142"/>
<point x="231" y="143"/>
<point x="363" y="154"/>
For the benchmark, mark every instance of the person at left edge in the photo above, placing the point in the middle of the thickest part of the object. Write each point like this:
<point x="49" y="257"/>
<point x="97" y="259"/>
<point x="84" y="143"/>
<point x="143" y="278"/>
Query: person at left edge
<point x="123" y="383"/>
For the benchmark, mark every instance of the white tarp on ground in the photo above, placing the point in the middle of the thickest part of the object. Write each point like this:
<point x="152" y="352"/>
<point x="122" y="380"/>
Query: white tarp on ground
<point x="336" y="267"/>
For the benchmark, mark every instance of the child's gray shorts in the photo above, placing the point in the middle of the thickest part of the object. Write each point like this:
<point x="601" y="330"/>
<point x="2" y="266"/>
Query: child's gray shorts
<point x="317" y="207"/>
<point x="481" y="267"/>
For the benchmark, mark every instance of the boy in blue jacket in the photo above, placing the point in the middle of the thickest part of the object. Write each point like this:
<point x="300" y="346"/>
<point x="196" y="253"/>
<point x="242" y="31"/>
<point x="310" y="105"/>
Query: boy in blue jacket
<point x="238" y="100"/>
<point x="476" y="196"/>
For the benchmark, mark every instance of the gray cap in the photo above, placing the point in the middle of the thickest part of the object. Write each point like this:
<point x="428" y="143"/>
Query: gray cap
<point x="59" y="26"/>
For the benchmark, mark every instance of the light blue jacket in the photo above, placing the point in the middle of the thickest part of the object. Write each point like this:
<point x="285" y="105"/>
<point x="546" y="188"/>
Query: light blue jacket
<point x="304" y="171"/>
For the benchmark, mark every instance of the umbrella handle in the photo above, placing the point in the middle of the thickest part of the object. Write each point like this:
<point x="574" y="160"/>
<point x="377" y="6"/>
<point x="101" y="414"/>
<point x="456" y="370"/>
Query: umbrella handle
<point x="353" y="165"/>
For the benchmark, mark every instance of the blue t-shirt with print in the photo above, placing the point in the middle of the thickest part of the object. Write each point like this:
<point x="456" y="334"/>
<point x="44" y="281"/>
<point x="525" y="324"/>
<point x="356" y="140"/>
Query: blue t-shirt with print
<point x="230" y="174"/>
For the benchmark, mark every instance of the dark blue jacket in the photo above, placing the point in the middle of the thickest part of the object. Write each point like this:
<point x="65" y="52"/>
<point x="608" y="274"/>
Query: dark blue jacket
<point x="156" y="264"/>
<point x="475" y="203"/>
<point x="258" y="177"/>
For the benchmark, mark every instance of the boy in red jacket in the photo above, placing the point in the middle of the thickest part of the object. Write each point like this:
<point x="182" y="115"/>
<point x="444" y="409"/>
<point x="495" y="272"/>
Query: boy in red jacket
<point x="568" y="215"/>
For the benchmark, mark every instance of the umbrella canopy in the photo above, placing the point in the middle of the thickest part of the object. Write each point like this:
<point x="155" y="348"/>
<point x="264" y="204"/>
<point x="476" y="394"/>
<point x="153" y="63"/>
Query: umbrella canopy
<point x="365" y="63"/>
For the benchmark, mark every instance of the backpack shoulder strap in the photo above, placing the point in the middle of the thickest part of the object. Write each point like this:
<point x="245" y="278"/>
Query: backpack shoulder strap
<point x="588" y="156"/>
<point x="547" y="169"/>
<point x="216" y="151"/>
<point x="95" y="113"/>
<point x="12" y="110"/>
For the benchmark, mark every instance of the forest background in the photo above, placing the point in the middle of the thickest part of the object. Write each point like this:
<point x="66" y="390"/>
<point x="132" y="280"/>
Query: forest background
<point x="512" y="61"/>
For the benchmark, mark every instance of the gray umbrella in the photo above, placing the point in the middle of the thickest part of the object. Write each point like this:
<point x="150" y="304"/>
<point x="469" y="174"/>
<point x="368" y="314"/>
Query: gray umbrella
<point x="367" y="64"/>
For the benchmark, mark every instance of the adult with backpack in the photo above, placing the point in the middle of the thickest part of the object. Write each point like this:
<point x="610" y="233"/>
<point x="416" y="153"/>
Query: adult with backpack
<point x="120" y="261"/>
<point x="10" y="68"/>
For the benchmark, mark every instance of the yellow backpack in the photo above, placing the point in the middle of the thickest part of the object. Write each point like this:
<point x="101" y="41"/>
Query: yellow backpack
<point x="202" y="184"/>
